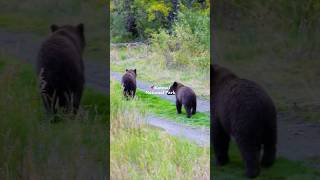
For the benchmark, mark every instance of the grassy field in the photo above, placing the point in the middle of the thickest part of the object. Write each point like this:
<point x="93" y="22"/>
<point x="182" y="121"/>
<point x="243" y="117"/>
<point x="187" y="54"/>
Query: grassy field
<point x="147" y="61"/>
<point x="139" y="151"/>
<point x="264" y="43"/>
<point x="36" y="16"/>
<point x="283" y="169"/>
<point x="164" y="108"/>
<point x="33" y="147"/>
<point x="291" y="80"/>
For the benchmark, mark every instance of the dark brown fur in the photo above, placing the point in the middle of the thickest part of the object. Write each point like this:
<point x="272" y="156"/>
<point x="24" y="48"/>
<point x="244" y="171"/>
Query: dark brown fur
<point x="184" y="96"/>
<point x="60" y="68"/>
<point x="242" y="109"/>
<point x="129" y="83"/>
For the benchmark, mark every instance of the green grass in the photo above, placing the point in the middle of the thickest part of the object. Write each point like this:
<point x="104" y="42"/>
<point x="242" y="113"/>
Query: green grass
<point x="146" y="62"/>
<point x="19" y="22"/>
<point x="283" y="169"/>
<point x="33" y="147"/>
<point x="35" y="16"/>
<point x="164" y="108"/>
<point x="139" y="151"/>
<point x="284" y="63"/>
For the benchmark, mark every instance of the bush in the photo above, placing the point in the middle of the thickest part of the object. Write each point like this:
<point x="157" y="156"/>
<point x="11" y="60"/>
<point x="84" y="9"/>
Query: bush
<point x="188" y="43"/>
<point x="118" y="28"/>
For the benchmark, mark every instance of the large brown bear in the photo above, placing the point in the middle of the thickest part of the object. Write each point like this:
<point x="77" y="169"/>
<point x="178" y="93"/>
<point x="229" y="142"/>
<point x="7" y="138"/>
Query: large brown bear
<point x="60" y="68"/>
<point x="129" y="83"/>
<point x="242" y="109"/>
<point x="184" y="96"/>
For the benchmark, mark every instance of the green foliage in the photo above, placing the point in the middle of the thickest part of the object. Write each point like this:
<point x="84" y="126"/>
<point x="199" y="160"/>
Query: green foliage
<point x="150" y="16"/>
<point x="188" y="43"/>
<point x="33" y="147"/>
<point x="118" y="29"/>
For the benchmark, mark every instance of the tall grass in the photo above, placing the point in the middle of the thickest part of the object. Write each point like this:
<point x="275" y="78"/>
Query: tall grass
<point x="139" y="151"/>
<point x="31" y="147"/>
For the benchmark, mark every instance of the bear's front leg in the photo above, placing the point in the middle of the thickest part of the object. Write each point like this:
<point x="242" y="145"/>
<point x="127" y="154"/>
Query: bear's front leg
<point x="221" y="141"/>
<point x="178" y="105"/>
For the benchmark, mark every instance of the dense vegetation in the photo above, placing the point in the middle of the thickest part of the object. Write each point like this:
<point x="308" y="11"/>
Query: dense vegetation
<point x="139" y="19"/>
<point x="175" y="36"/>
<point x="275" y="43"/>
<point x="31" y="147"/>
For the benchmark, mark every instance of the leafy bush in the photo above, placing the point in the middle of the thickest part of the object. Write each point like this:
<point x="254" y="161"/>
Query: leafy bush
<point x="188" y="43"/>
<point x="149" y="16"/>
<point x="118" y="28"/>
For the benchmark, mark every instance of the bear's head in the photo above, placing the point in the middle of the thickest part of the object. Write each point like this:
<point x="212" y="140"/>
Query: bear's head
<point x="75" y="33"/>
<point x="174" y="87"/>
<point x="220" y="76"/>
<point x="132" y="71"/>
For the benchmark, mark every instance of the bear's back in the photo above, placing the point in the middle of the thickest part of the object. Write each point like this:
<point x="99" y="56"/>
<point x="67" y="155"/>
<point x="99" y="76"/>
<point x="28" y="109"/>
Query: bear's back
<point x="244" y="102"/>
<point x="186" y="95"/>
<point x="60" y="51"/>
<point x="129" y="80"/>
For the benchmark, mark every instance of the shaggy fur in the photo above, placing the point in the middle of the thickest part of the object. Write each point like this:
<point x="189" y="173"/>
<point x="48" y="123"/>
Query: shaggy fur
<point x="60" y="68"/>
<point x="242" y="109"/>
<point x="129" y="83"/>
<point x="184" y="96"/>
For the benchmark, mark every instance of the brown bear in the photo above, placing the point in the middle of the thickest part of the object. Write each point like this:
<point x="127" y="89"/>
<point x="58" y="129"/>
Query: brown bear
<point x="129" y="83"/>
<point x="243" y="110"/>
<point x="60" y="68"/>
<point x="184" y="96"/>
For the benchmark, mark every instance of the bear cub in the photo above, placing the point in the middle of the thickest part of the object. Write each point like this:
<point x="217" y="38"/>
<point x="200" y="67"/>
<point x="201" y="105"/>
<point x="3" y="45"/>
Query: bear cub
<point x="184" y="96"/>
<point x="242" y="109"/>
<point x="129" y="83"/>
<point x="60" y="68"/>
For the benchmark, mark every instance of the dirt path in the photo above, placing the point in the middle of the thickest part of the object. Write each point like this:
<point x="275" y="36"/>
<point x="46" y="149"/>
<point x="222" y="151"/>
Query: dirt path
<point x="202" y="105"/>
<point x="26" y="46"/>
<point x="298" y="140"/>
<point x="198" y="135"/>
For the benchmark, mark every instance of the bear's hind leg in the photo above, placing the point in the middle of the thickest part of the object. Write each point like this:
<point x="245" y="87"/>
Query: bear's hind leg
<point x="269" y="149"/>
<point x="133" y="93"/>
<point x="251" y="156"/>
<point x="194" y="109"/>
<point x="188" y="110"/>
<point x="220" y="143"/>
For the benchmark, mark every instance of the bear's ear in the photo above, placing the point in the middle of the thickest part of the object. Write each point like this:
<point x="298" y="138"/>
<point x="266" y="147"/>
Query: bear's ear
<point x="54" y="28"/>
<point x="80" y="27"/>
<point x="135" y="71"/>
<point x="174" y="84"/>
<point x="126" y="70"/>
